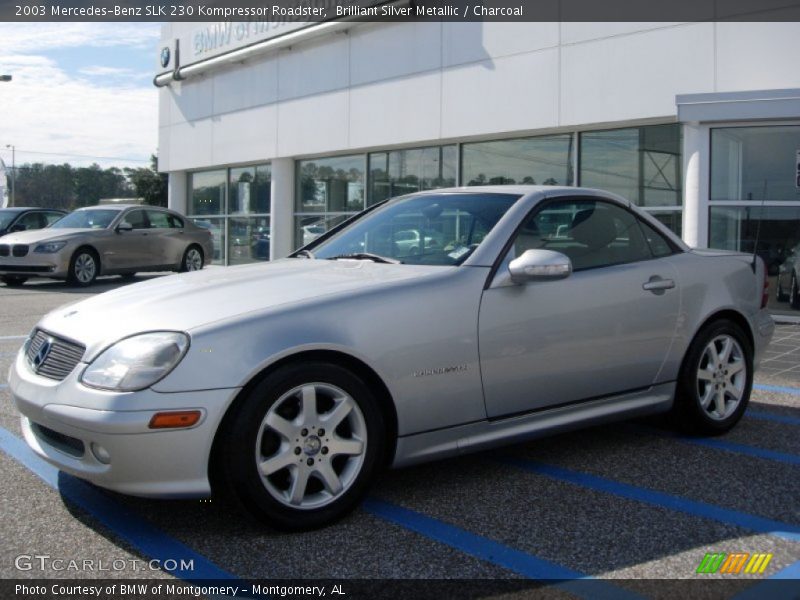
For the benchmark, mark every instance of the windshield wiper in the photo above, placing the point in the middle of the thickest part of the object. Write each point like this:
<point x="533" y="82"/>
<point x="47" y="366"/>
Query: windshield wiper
<point x="305" y="253"/>
<point x="368" y="256"/>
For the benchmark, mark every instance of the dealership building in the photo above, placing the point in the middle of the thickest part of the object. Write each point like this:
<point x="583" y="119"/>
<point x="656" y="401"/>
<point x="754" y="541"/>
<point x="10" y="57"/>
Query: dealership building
<point x="272" y="132"/>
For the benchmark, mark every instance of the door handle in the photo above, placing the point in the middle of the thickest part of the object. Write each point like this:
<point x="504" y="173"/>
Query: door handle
<point x="657" y="284"/>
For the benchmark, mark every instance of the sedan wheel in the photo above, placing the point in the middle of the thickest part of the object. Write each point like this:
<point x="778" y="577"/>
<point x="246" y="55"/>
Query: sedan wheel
<point x="192" y="259"/>
<point x="83" y="268"/>
<point x="12" y="280"/>
<point x="300" y="450"/>
<point x="715" y="381"/>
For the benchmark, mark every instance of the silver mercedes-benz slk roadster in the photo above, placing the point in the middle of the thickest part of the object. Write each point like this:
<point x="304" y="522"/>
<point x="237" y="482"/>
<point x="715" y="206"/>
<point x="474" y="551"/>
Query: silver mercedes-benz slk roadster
<point x="521" y="311"/>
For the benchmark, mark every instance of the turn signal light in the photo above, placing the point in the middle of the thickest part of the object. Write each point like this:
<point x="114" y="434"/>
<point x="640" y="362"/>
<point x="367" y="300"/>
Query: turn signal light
<point x="174" y="420"/>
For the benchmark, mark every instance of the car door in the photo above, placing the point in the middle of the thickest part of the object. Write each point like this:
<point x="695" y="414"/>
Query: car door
<point x="166" y="241"/>
<point x="130" y="249"/>
<point x="605" y="329"/>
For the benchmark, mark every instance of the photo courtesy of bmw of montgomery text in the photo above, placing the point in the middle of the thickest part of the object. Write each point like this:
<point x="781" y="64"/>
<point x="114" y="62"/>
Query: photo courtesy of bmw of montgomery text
<point x="519" y="311"/>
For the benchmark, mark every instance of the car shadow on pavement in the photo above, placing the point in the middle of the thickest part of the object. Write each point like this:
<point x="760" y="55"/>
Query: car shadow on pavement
<point x="102" y="284"/>
<point x="625" y="499"/>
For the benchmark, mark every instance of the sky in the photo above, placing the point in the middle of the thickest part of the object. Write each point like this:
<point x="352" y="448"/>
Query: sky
<point x="81" y="93"/>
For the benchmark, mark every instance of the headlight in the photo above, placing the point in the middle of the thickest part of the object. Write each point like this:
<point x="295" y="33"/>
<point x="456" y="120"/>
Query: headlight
<point x="49" y="247"/>
<point x="136" y="362"/>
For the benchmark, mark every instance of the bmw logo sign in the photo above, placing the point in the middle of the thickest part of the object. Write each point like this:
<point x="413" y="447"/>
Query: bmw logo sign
<point x="164" y="56"/>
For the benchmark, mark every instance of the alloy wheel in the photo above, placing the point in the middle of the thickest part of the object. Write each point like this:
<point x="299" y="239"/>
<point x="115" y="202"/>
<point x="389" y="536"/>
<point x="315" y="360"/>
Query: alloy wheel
<point x="311" y="446"/>
<point x="721" y="377"/>
<point x="85" y="268"/>
<point x="194" y="260"/>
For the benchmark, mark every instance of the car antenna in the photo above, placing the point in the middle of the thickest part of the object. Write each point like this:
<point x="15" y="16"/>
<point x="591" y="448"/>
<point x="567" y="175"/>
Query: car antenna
<point x="758" y="228"/>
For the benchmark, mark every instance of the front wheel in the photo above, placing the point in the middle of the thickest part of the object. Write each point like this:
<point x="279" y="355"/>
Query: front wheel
<point x="83" y="268"/>
<point x="715" y="380"/>
<point x="192" y="259"/>
<point x="302" y="447"/>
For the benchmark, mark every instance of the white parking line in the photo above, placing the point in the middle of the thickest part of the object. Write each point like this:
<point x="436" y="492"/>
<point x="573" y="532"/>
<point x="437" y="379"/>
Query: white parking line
<point x="12" y="337"/>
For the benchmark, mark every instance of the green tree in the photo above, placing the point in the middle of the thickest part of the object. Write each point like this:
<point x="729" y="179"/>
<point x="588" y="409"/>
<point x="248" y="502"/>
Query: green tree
<point x="148" y="183"/>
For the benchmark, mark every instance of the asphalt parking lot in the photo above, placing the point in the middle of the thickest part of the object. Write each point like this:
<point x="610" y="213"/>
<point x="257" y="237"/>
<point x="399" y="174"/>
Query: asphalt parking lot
<point x="628" y="503"/>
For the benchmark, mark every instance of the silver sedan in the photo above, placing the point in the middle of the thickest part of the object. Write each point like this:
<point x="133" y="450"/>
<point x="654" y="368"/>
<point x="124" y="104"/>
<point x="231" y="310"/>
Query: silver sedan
<point x="105" y="240"/>
<point x="289" y="385"/>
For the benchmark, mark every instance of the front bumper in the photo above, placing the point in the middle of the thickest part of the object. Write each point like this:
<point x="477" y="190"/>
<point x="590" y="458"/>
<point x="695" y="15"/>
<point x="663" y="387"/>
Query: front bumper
<point x="103" y="437"/>
<point x="54" y="265"/>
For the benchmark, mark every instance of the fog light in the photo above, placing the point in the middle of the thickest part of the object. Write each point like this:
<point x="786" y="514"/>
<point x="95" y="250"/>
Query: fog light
<point x="100" y="453"/>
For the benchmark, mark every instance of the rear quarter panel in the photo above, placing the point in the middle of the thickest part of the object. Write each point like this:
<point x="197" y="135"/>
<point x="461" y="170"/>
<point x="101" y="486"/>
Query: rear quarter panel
<point x="710" y="282"/>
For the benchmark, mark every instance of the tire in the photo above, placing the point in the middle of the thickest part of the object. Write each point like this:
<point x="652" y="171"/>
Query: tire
<point x="794" y="294"/>
<point x="13" y="280"/>
<point x="272" y="427"/>
<point x="192" y="259"/>
<point x="715" y="380"/>
<point x="83" y="267"/>
<point x="780" y="295"/>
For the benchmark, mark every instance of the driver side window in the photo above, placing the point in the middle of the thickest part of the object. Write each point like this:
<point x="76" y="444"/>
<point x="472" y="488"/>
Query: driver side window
<point x="591" y="233"/>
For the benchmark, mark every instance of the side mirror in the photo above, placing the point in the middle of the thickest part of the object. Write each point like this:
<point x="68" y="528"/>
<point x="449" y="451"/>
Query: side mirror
<point x="124" y="226"/>
<point x="18" y="227"/>
<point x="540" y="265"/>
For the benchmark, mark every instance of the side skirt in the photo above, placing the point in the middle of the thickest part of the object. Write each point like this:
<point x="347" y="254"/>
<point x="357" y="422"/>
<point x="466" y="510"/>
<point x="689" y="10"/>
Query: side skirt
<point x="473" y="437"/>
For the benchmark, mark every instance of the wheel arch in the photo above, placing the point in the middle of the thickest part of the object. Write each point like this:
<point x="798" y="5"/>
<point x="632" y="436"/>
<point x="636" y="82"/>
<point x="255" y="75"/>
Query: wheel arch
<point x="728" y="314"/>
<point x="358" y="367"/>
<point x="93" y="250"/>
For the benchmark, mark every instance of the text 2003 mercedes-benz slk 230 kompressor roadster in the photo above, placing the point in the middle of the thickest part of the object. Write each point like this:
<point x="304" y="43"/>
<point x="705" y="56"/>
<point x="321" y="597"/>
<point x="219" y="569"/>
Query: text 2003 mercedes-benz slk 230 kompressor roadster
<point x="519" y="311"/>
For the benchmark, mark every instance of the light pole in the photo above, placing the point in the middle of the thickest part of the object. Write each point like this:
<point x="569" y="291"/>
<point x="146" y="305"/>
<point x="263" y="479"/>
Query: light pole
<point x="13" y="173"/>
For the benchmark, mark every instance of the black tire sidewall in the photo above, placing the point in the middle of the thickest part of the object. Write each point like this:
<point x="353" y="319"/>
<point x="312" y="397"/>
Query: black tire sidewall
<point x="13" y="280"/>
<point x="691" y="416"/>
<point x="240" y="472"/>
<point x="72" y="278"/>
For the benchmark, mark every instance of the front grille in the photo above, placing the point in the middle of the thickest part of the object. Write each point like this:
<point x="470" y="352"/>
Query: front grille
<point x="3" y="249"/>
<point x="67" y="444"/>
<point x="58" y="361"/>
<point x="20" y="250"/>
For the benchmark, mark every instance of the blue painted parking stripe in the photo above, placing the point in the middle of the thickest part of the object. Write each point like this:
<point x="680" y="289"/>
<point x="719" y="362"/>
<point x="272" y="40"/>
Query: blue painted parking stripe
<point x="719" y="444"/>
<point x="661" y="499"/>
<point x="494" y="552"/>
<point x="151" y="541"/>
<point x="783" y="389"/>
<point x="768" y="416"/>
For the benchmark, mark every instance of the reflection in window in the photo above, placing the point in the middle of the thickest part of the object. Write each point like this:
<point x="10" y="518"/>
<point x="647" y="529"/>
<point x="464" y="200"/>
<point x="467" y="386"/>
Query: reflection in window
<point x="406" y="171"/>
<point x="207" y="195"/>
<point x="543" y="160"/>
<point x="778" y="233"/>
<point x="755" y="163"/>
<point x="248" y="239"/>
<point x="331" y="184"/>
<point x="249" y="190"/>
<point x="217" y="229"/>
<point x="641" y="164"/>
<point x="310" y="227"/>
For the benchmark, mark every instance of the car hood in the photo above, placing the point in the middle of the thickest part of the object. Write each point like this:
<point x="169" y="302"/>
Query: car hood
<point x="44" y="235"/>
<point x="188" y="301"/>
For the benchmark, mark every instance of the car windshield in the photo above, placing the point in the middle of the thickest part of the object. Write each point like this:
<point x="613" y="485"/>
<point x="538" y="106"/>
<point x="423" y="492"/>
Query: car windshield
<point x="6" y="216"/>
<point x="430" y="229"/>
<point x="86" y="219"/>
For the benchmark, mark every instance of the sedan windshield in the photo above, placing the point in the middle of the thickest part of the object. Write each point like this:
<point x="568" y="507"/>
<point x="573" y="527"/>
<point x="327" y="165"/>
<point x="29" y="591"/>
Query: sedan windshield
<point x="6" y="216"/>
<point x="431" y="229"/>
<point x="86" y="219"/>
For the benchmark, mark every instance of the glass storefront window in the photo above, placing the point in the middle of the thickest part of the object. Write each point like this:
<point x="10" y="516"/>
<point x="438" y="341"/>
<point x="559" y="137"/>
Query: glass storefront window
<point x="642" y="164"/>
<point x="248" y="239"/>
<point x="543" y="160"/>
<point x="671" y="218"/>
<point x="217" y="228"/>
<point x="207" y="192"/>
<point x="405" y="171"/>
<point x="778" y="231"/>
<point x="310" y="227"/>
<point x="755" y="163"/>
<point x="333" y="184"/>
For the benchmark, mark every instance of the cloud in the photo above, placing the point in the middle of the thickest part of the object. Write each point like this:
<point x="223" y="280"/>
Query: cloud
<point x="95" y="110"/>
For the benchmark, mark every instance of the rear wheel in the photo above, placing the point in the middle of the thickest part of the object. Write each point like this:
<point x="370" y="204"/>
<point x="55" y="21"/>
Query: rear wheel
<point x="13" y="280"/>
<point x="715" y="380"/>
<point x="192" y="259"/>
<point x="84" y="267"/>
<point x="302" y="447"/>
